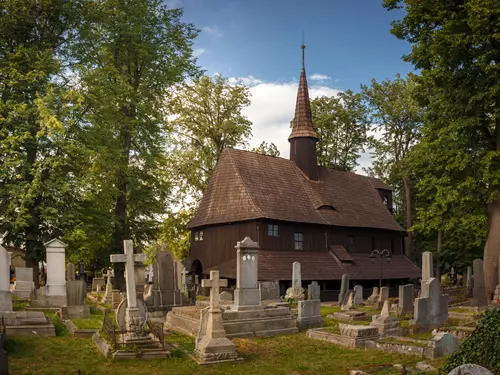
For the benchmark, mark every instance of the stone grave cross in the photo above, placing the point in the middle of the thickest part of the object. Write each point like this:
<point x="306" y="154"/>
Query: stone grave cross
<point x="214" y="284"/>
<point x="129" y="258"/>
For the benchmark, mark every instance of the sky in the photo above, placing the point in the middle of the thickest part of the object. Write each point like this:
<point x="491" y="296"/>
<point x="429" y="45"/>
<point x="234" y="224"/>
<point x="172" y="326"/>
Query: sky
<point x="257" y="43"/>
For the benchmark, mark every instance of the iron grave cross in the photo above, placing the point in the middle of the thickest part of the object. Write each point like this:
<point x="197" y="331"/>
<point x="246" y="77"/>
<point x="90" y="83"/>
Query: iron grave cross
<point x="214" y="283"/>
<point x="129" y="258"/>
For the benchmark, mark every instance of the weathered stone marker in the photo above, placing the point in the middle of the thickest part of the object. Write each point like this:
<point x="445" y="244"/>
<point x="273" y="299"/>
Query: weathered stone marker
<point x="427" y="266"/>
<point x="296" y="292"/>
<point x="344" y="286"/>
<point x="405" y="304"/>
<point x="246" y="294"/>
<point x="269" y="291"/>
<point x="479" y="292"/>
<point x="309" y="311"/>
<point x="70" y="271"/>
<point x="212" y="345"/>
<point x="108" y="294"/>
<point x="133" y="320"/>
<point x="372" y="300"/>
<point x="382" y="297"/>
<point x="5" y="294"/>
<point x="358" y="295"/>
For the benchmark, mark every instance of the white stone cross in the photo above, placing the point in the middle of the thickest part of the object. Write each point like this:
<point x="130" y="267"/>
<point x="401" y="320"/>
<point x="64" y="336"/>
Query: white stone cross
<point x="109" y="274"/>
<point x="129" y="258"/>
<point x="214" y="283"/>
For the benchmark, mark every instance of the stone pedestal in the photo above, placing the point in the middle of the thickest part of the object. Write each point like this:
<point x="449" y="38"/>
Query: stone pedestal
<point x="70" y="271"/>
<point x="75" y="306"/>
<point x="56" y="265"/>
<point x="247" y="292"/>
<point x="431" y="310"/>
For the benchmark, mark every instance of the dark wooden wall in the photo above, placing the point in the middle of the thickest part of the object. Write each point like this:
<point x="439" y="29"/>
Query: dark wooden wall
<point x="218" y="241"/>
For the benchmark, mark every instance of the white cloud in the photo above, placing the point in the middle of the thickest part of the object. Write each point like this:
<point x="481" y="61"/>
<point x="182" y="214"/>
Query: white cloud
<point x="212" y="30"/>
<point x="247" y="81"/>
<point x="198" y="52"/>
<point x="319" y="77"/>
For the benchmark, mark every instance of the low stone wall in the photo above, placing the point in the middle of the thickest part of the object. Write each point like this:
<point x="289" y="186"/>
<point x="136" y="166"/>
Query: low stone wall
<point x="353" y="337"/>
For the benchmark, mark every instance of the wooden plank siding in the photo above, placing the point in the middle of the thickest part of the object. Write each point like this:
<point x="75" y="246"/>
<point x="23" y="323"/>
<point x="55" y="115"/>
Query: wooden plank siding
<point x="218" y="241"/>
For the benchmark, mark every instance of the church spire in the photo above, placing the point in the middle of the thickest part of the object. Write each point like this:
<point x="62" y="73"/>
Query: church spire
<point x="303" y="137"/>
<point x="302" y="122"/>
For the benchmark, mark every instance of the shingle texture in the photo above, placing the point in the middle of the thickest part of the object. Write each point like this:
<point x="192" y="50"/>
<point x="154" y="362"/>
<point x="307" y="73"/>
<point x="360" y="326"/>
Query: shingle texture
<point x="302" y="122"/>
<point x="321" y="265"/>
<point x="247" y="185"/>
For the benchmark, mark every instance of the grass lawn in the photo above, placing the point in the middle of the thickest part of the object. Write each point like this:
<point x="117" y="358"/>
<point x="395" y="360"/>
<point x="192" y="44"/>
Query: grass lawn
<point x="95" y="320"/>
<point x="285" y="355"/>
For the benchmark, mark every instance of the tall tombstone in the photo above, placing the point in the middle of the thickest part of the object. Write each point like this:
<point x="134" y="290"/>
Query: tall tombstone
<point x="479" y="291"/>
<point x="427" y="266"/>
<point x="405" y="302"/>
<point x="296" y="276"/>
<point x="24" y="285"/>
<point x="309" y="311"/>
<point x="247" y="292"/>
<point x="469" y="282"/>
<point x="165" y="292"/>
<point x="358" y="295"/>
<point x="431" y="309"/>
<point x="313" y="291"/>
<point x="5" y="294"/>
<point x="70" y="271"/>
<point x="382" y="297"/>
<point x="56" y="266"/>
<point x="76" y="306"/>
<point x="372" y="300"/>
<point x="344" y="286"/>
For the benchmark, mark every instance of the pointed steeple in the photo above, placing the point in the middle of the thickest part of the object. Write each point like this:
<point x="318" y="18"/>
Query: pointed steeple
<point x="302" y="122"/>
<point x="303" y="137"/>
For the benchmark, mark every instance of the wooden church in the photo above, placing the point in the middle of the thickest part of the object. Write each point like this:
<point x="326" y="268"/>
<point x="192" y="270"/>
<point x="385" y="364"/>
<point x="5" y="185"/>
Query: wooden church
<point x="330" y="221"/>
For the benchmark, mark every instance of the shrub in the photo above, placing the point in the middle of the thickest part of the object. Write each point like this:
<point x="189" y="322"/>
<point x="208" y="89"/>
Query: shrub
<point x="482" y="347"/>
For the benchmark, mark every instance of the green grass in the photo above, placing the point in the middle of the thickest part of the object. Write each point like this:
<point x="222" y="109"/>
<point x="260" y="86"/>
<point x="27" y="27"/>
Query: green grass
<point x="19" y="304"/>
<point x="58" y="323"/>
<point x="462" y="310"/>
<point x="421" y="335"/>
<point x="327" y="310"/>
<point x="95" y="320"/>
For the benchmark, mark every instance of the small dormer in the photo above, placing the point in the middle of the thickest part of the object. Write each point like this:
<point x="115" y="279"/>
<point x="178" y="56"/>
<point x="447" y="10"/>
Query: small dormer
<point x="386" y="196"/>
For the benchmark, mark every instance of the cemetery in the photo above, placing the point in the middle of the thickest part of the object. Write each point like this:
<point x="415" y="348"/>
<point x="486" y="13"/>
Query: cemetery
<point x="159" y="217"/>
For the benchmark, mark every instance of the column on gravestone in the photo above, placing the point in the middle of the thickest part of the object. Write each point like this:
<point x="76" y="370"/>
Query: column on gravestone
<point x="427" y="266"/>
<point x="56" y="266"/>
<point x="344" y="286"/>
<point x="296" y="276"/>
<point x="247" y="267"/>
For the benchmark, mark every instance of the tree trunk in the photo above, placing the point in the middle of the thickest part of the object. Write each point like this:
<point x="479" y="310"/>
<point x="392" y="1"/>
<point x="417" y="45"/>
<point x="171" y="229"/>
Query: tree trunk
<point x="437" y="272"/>
<point x="409" y="219"/>
<point x="121" y="231"/>
<point x="492" y="248"/>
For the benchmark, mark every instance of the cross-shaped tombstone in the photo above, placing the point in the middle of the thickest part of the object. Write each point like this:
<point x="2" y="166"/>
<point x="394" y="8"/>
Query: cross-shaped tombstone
<point x="129" y="258"/>
<point x="109" y="274"/>
<point x="214" y="284"/>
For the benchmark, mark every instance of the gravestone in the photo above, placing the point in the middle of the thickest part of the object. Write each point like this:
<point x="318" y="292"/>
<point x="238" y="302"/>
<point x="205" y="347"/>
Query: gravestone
<point x="386" y="324"/>
<point x="246" y="294"/>
<point x="211" y="344"/>
<point x="372" y="300"/>
<point x="108" y="294"/>
<point x="313" y="291"/>
<point x="431" y="309"/>
<point x="445" y="344"/>
<point x="309" y="315"/>
<point x="358" y="295"/>
<point x="226" y="297"/>
<point x="98" y="284"/>
<point x="53" y="294"/>
<point x="81" y="270"/>
<point x="165" y="293"/>
<point x="405" y="303"/>
<point x="75" y="300"/>
<point x="296" y="292"/>
<point x="349" y="304"/>
<point x="344" y="286"/>
<point x="469" y="282"/>
<point x="5" y="294"/>
<point x="70" y="271"/>
<point x="382" y="297"/>
<point x="149" y="274"/>
<point x="470" y="369"/>
<point x="140" y="279"/>
<point x="269" y="291"/>
<point x="24" y="285"/>
<point x="479" y="291"/>
<point x="133" y="320"/>
<point x="427" y="266"/>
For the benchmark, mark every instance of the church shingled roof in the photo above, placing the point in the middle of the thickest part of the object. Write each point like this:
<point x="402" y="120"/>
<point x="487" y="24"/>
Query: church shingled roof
<point x="246" y="185"/>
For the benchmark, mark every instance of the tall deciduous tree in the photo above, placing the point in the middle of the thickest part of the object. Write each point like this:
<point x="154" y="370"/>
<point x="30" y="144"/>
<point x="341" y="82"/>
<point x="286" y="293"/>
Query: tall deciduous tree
<point x="267" y="149"/>
<point x="456" y="45"/>
<point x="341" y="123"/>
<point x="397" y="117"/>
<point x="36" y="149"/>
<point x="130" y="54"/>
<point x="208" y="120"/>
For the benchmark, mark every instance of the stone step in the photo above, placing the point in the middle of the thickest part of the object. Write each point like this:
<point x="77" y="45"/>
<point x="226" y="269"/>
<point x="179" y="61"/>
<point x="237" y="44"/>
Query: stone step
<point x="256" y="314"/>
<point x="255" y="325"/>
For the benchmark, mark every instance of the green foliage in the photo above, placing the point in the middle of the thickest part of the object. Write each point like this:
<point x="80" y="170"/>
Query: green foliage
<point x="267" y="149"/>
<point x="482" y="347"/>
<point x="208" y="120"/>
<point x="341" y="123"/>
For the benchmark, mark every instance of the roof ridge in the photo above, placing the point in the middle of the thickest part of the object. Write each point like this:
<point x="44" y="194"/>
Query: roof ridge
<point x="245" y="184"/>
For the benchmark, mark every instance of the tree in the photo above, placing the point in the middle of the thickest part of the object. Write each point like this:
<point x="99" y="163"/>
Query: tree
<point x="341" y="123"/>
<point x="456" y="47"/>
<point x="208" y="120"/>
<point x="37" y="144"/>
<point x="267" y="149"/>
<point x="129" y="55"/>
<point x="397" y="117"/>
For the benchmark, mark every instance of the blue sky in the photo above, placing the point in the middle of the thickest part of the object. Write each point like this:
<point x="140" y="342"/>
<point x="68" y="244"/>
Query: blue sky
<point x="348" y="43"/>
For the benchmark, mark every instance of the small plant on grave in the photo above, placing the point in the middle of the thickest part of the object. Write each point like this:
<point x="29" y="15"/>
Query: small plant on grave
<point x="482" y="347"/>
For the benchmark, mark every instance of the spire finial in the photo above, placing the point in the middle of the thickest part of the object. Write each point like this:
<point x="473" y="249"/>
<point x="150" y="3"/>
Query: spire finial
<point x="303" y="46"/>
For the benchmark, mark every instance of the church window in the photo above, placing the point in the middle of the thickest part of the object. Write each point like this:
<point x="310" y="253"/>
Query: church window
<point x="201" y="235"/>
<point x="299" y="240"/>
<point x="272" y="230"/>
<point x="198" y="236"/>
